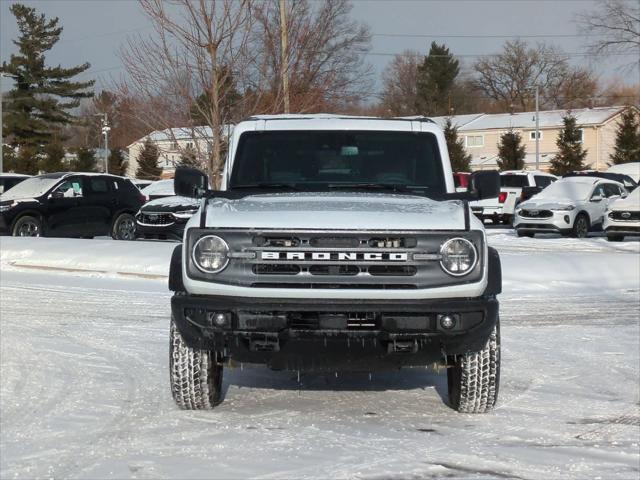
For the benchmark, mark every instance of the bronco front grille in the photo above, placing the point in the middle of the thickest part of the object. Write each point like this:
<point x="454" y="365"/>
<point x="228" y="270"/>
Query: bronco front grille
<point x="356" y="260"/>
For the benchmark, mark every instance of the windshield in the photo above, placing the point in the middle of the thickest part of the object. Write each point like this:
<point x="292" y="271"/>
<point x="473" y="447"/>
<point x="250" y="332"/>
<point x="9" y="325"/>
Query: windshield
<point x="161" y="187"/>
<point x="566" y="189"/>
<point x="317" y="160"/>
<point x="31" y="187"/>
<point x="514" y="181"/>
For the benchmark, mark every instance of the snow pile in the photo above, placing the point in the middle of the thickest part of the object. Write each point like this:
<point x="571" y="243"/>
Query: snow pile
<point x="96" y="257"/>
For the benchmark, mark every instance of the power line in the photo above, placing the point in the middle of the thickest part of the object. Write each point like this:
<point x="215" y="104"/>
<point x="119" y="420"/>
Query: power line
<point x="426" y="35"/>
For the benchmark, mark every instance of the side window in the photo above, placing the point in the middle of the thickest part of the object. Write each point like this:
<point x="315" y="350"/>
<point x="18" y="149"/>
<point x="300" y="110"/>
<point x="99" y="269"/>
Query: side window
<point x="98" y="186"/>
<point x="71" y="188"/>
<point x="598" y="192"/>
<point x="543" y="181"/>
<point x="611" y="190"/>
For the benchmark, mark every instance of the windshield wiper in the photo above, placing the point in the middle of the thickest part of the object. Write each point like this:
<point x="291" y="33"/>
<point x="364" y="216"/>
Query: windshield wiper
<point x="392" y="187"/>
<point x="266" y="186"/>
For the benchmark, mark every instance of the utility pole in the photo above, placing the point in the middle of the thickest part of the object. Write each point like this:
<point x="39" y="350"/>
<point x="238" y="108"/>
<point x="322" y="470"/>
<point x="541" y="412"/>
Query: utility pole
<point x="537" y="129"/>
<point x="284" y="55"/>
<point x="1" y="125"/>
<point x="105" y="131"/>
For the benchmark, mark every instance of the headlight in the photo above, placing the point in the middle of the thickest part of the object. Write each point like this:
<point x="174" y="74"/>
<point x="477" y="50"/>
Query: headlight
<point x="564" y="208"/>
<point x="459" y="256"/>
<point x="4" y="208"/>
<point x="185" y="213"/>
<point x="211" y="254"/>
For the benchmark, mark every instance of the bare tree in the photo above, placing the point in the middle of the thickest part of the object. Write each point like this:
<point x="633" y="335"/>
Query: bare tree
<point x="400" y="84"/>
<point x="615" y="26"/>
<point x="325" y="56"/>
<point x="197" y="49"/>
<point x="507" y="78"/>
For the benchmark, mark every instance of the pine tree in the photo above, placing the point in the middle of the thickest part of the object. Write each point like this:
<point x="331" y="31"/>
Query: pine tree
<point x="52" y="159"/>
<point x="627" y="148"/>
<point x="460" y="159"/>
<point x="86" y="161"/>
<point x="571" y="155"/>
<point x="436" y="79"/>
<point x="189" y="158"/>
<point x="26" y="161"/>
<point x="9" y="159"/>
<point x="39" y="103"/>
<point x="117" y="164"/>
<point x="511" y="152"/>
<point x="148" y="168"/>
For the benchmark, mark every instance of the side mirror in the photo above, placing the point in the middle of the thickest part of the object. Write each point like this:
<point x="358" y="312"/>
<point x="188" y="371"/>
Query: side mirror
<point x="190" y="182"/>
<point x="484" y="184"/>
<point x="56" y="194"/>
<point x="597" y="198"/>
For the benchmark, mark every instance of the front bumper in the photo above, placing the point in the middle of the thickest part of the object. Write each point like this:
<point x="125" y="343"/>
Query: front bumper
<point x="4" y="228"/>
<point x="621" y="227"/>
<point x="174" y="231"/>
<point x="299" y="334"/>
<point x="560" y="222"/>
<point x="488" y="213"/>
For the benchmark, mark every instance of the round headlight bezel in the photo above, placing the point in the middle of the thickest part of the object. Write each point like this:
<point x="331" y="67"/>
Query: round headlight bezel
<point x="200" y="267"/>
<point x="473" y="264"/>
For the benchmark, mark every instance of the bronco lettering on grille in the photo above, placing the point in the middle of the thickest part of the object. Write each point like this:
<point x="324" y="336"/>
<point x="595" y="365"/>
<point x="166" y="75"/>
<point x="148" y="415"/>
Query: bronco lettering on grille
<point x="336" y="256"/>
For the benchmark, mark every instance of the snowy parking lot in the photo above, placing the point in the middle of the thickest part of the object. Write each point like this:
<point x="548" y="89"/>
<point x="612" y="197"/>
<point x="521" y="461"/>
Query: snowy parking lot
<point x="84" y="379"/>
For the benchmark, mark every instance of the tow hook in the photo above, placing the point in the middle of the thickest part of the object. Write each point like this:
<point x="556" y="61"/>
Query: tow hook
<point x="402" y="346"/>
<point x="268" y="343"/>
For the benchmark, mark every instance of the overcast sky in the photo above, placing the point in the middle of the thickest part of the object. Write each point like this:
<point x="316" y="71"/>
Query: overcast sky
<point x="95" y="29"/>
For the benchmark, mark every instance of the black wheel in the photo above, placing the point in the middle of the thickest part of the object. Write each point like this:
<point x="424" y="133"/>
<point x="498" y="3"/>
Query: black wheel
<point x="520" y="233"/>
<point x="27" y="226"/>
<point x="195" y="375"/>
<point x="124" y="227"/>
<point x="580" y="226"/>
<point x="474" y="379"/>
<point x="507" y="220"/>
<point x="615" y="238"/>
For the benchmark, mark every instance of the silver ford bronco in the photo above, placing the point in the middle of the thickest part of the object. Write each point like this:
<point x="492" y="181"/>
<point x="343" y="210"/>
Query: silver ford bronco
<point x="335" y="243"/>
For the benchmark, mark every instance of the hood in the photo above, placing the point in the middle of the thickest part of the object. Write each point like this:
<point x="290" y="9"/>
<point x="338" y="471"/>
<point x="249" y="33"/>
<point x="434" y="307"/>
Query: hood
<point x="632" y="202"/>
<point x="547" y="203"/>
<point x="336" y="210"/>
<point x="171" y="204"/>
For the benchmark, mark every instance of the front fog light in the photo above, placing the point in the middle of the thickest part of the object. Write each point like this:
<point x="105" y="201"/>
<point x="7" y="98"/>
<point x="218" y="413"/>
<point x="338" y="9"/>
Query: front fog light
<point x="459" y="256"/>
<point x="211" y="254"/>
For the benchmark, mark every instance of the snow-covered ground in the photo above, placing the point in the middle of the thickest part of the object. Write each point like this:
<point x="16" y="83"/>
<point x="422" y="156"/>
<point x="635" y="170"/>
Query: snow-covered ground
<point x="84" y="379"/>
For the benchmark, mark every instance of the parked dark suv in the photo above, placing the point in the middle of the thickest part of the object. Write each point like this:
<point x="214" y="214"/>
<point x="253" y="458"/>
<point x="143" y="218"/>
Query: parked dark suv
<point x="165" y="218"/>
<point x="71" y="205"/>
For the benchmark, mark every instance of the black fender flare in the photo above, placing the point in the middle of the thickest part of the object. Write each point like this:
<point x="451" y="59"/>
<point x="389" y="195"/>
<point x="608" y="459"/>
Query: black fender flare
<point x="494" y="273"/>
<point x="30" y="213"/>
<point x="175" y="270"/>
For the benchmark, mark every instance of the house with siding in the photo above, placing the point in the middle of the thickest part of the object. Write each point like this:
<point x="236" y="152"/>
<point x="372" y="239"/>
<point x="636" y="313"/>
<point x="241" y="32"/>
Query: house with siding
<point x="481" y="134"/>
<point x="171" y="143"/>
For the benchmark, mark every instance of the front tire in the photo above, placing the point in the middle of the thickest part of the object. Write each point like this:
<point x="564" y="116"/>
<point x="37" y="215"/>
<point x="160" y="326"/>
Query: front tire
<point x="124" y="227"/>
<point x="195" y="375"/>
<point x="580" y="226"/>
<point x="27" y="226"/>
<point x="474" y="379"/>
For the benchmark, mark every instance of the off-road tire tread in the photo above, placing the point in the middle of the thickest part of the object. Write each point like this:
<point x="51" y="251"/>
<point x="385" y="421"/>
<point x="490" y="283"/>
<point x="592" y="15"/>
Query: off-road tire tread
<point x="195" y="375"/>
<point x="479" y="377"/>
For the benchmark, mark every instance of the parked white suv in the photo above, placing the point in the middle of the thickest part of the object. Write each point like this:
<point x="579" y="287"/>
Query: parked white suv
<point x="512" y="182"/>
<point x="623" y="217"/>
<point x="570" y="206"/>
<point x="336" y="243"/>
